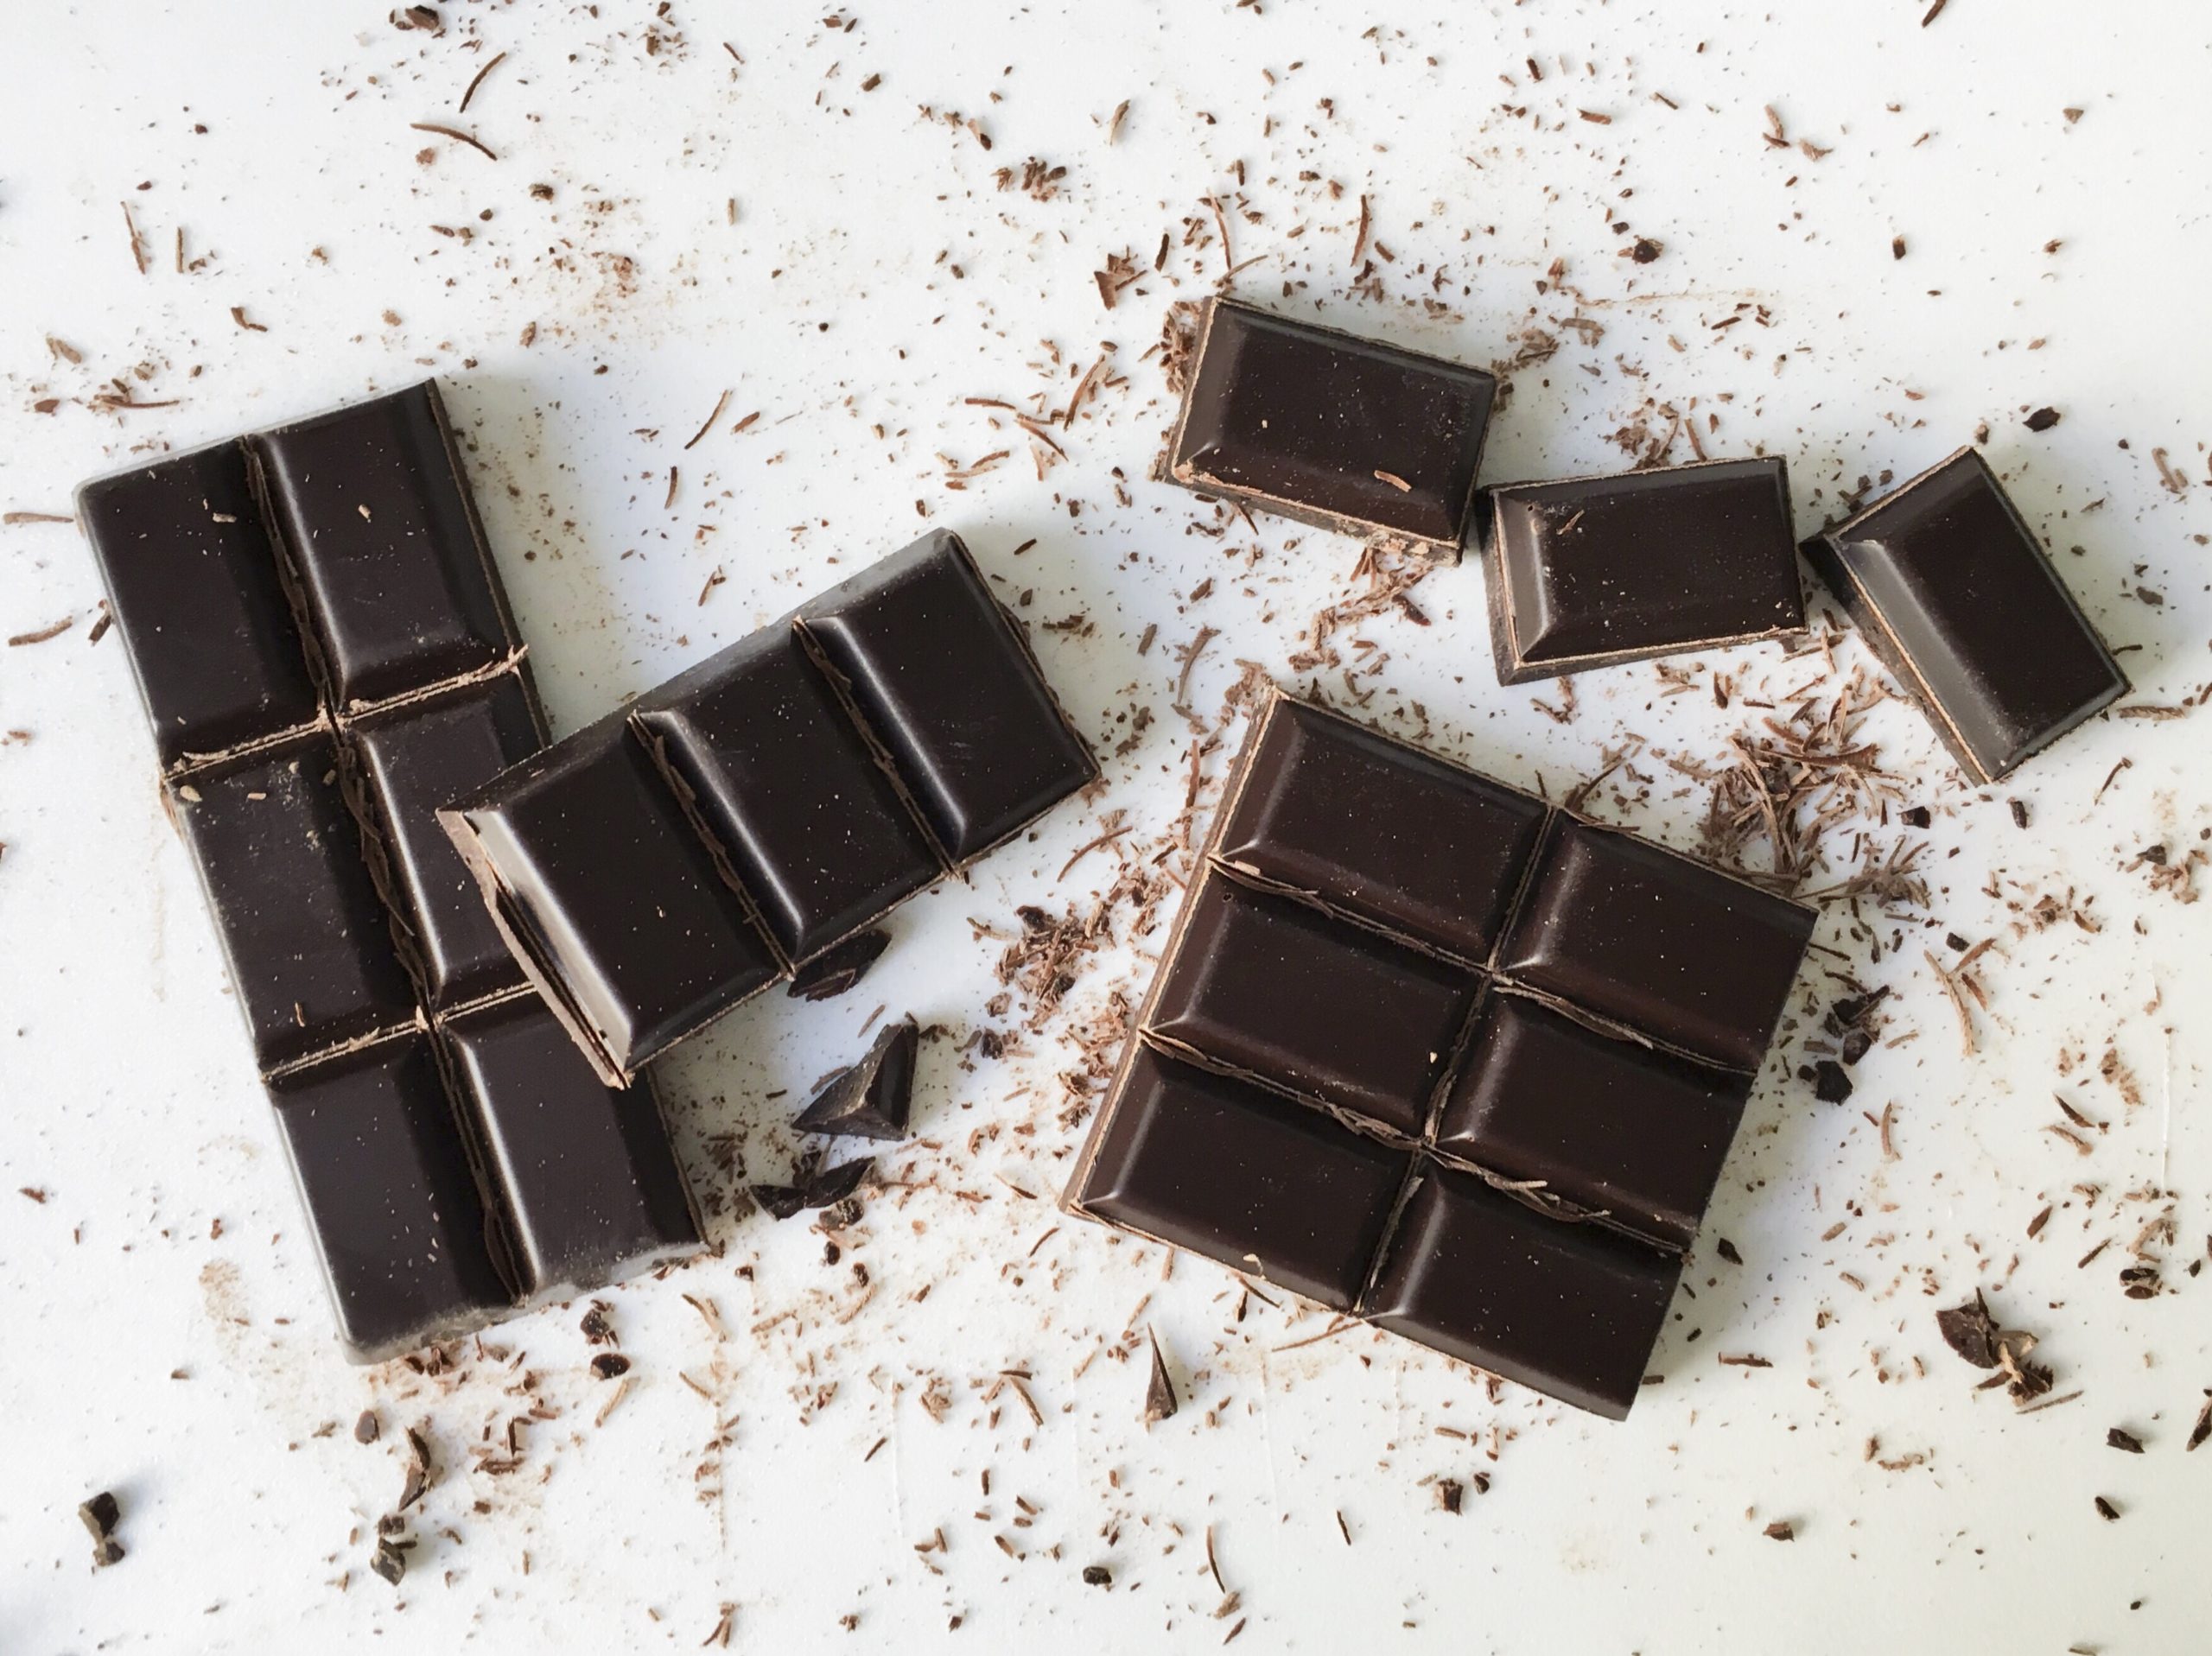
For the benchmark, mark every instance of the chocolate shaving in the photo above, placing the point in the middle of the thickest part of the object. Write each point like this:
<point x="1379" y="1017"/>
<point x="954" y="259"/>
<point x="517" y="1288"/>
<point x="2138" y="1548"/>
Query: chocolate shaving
<point x="479" y="80"/>
<point x="455" y="134"/>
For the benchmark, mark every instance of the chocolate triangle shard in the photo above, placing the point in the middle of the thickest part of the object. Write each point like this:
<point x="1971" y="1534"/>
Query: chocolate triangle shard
<point x="870" y="1099"/>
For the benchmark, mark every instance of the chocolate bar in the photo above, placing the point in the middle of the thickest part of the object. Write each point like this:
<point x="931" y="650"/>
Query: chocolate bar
<point x="1343" y="433"/>
<point x="1951" y="589"/>
<point x="749" y="816"/>
<point x="1440" y="1056"/>
<point x="326" y="653"/>
<point x="1592" y="572"/>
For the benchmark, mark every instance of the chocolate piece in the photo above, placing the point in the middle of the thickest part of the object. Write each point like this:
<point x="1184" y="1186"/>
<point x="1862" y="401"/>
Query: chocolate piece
<point x="782" y="779"/>
<point x="942" y="677"/>
<point x="1675" y="949"/>
<point x="192" y="582"/>
<point x="408" y="762"/>
<point x="1606" y="1123"/>
<point x="613" y="904"/>
<point x="1952" y="589"/>
<point x="588" y="1186"/>
<point x="1268" y="1187"/>
<point x="871" y="1098"/>
<point x="1391" y="835"/>
<point x="837" y="969"/>
<point x="382" y="541"/>
<point x="1571" y="1309"/>
<point x="100" y="1516"/>
<point x="1347" y="434"/>
<point x="309" y="948"/>
<point x="390" y="1199"/>
<point x="1595" y="571"/>
<point x="1274" y="989"/>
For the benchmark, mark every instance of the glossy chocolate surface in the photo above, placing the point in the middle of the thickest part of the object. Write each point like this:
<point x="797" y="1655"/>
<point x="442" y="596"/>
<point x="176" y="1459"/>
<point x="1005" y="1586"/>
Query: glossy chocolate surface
<point x="589" y="1186"/>
<point x="1607" y="1124"/>
<point x="1571" y="1309"/>
<point x="1276" y="989"/>
<point x="1268" y="1187"/>
<point x="1953" y="590"/>
<point x="1352" y="433"/>
<point x="1671" y="948"/>
<point x="947" y="685"/>
<point x="783" y="781"/>
<point x="1385" y="831"/>
<point x="391" y="1202"/>
<point x="410" y="761"/>
<point x="377" y="528"/>
<point x="309" y="948"/>
<point x="1607" y="569"/>
<point x="192" y="582"/>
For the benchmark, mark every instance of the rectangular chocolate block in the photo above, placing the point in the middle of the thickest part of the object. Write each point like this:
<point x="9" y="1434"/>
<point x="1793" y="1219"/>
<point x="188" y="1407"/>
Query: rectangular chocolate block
<point x="381" y="540"/>
<point x="1275" y="989"/>
<point x="193" y="585"/>
<point x="777" y="771"/>
<point x="1592" y="572"/>
<point x="1951" y="589"/>
<point x="1607" y="1124"/>
<point x="309" y="948"/>
<point x="943" y="681"/>
<point x="406" y="762"/>
<point x="1676" y="950"/>
<point x="1427" y="1051"/>
<point x="391" y="1202"/>
<point x="1571" y="1309"/>
<point x="1393" y="836"/>
<point x="587" y="1188"/>
<point x="1346" y="433"/>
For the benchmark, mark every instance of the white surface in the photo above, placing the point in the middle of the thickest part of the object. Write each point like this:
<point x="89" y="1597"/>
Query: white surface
<point x="833" y="306"/>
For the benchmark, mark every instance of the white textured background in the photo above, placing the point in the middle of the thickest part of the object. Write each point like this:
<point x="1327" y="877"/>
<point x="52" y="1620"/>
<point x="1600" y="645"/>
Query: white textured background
<point x="876" y="276"/>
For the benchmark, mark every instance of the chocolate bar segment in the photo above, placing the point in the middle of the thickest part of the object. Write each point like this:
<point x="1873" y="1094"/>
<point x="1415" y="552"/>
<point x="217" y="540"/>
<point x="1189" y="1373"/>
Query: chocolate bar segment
<point x="1952" y="589"/>
<point x="1268" y="1187"/>
<point x="1391" y="834"/>
<point x="1596" y="571"/>
<point x="1675" y="949"/>
<point x="1347" y="434"/>
<point x="1606" y="1123"/>
<point x="1275" y="989"/>
<point x="391" y="1202"/>
<point x="943" y="681"/>
<point x="784" y="780"/>
<point x="589" y="1186"/>
<point x="609" y="897"/>
<point x="409" y="760"/>
<point x="309" y="948"/>
<point x="192" y="583"/>
<point x="381" y="538"/>
<point x="1572" y="1310"/>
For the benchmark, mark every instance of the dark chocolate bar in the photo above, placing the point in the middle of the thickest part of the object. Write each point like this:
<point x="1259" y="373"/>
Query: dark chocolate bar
<point x="1592" y="572"/>
<point x="1951" y="589"/>
<point x="654" y="870"/>
<point x="1343" y="433"/>
<point x="1428" y="1052"/>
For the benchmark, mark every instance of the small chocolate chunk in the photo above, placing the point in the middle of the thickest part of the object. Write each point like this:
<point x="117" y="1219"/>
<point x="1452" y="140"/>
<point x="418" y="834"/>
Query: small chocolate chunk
<point x="1830" y="1084"/>
<point x="1097" y="1576"/>
<point x="871" y="1098"/>
<point x="101" y="1514"/>
<point x="780" y="1201"/>
<point x="1159" y="1390"/>
<point x="609" y="1365"/>
<point x="2119" y="1439"/>
<point x="829" y="974"/>
<point x="390" y="1559"/>
<point x="368" y="1428"/>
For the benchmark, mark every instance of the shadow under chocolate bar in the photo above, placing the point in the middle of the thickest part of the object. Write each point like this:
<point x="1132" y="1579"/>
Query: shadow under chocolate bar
<point x="660" y="867"/>
<point x="1442" y="1057"/>
<point x="324" y="648"/>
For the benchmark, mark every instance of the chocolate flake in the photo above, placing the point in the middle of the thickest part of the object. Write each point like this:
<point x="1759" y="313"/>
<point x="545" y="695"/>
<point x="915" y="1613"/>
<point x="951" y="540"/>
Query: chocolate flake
<point x="836" y="969"/>
<point x="2203" y="1429"/>
<point x="1449" y="1493"/>
<point x="609" y="1365"/>
<point x="1971" y="1331"/>
<point x="1098" y="1575"/>
<point x="871" y="1098"/>
<point x="101" y="1514"/>
<point x="1159" y="1404"/>
<point x="1781" y="1530"/>
<point x="2119" y="1439"/>
<point x="368" y="1428"/>
<point x="1830" y="1084"/>
<point x="2042" y="419"/>
<point x="2105" y="1510"/>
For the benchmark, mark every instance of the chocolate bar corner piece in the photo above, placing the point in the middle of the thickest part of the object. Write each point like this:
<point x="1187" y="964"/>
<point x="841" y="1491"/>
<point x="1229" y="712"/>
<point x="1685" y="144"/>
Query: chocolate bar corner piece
<point x="380" y="535"/>
<point x="1953" y="591"/>
<point x="589" y="1188"/>
<point x="944" y="683"/>
<point x="392" y="1202"/>
<point x="193" y="585"/>
<point x="1593" y="572"/>
<point x="1319" y="426"/>
<point x="614" y="905"/>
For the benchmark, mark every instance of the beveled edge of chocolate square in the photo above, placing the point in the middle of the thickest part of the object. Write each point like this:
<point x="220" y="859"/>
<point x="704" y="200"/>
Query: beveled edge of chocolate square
<point x="1173" y="469"/>
<point x="1505" y="650"/>
<point x="1822" y="551"/>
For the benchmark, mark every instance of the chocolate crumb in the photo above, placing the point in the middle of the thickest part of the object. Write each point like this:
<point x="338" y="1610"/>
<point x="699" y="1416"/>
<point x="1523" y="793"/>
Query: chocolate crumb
<point x="1449" y="1493"/>
<point x="2203" y="1429"/>
<point x="1896" y="247"/>
<point x="2105" y="1510"/>
<point x="2020" y="812"/>
<point x="2043" y="419"/>
<point x="1097" y="1576"/>
<point x="1781" y="1530"/>
<point x="2120" y="1439"/>
<point x="1830" y="1084"/>
<point x="1159" y="1391"/>
<point x="1727" y="1250"/>
<point x="609" y="1365"/>
<point x="368" y="1428"/>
